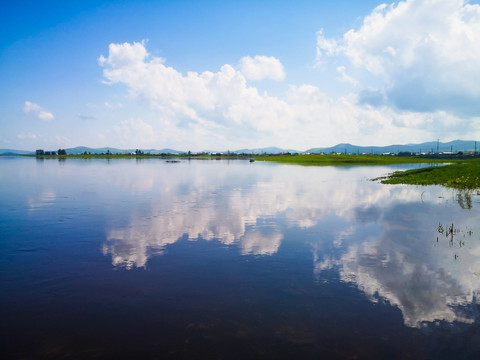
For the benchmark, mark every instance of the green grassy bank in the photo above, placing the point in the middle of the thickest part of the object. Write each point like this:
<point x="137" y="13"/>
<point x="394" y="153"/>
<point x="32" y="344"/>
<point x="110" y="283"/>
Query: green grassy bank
<point x="460" y="176"/>
<point x="347" y="159"/>
<point x="463" y="174"/>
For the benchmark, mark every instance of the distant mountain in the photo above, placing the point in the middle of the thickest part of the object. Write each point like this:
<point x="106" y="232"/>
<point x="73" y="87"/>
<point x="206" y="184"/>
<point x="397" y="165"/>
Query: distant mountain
<point x="15" y="152"/>
<point x="265" y="150"/>
<point x="162" y="151"/>
<point x="456" y="145"/>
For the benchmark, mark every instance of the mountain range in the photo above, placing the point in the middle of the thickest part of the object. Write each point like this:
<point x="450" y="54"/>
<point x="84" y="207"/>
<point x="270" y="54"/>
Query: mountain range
<point x="456" y="145"/>
<point x="431" y="146"/>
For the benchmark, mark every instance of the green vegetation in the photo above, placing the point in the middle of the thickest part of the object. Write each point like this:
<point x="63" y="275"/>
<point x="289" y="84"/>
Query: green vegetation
<point x="336" y="160"/>
<point x="460" y="176"/>
<point x="464" y="174"/>
<point x="347" y="159"/>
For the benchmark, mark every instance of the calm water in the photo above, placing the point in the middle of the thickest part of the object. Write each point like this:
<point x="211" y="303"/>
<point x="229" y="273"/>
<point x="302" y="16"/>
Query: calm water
<point x="233" y="260"/>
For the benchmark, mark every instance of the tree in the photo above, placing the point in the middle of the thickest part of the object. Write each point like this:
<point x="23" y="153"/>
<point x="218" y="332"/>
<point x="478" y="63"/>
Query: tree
<point x="62" y="152"/>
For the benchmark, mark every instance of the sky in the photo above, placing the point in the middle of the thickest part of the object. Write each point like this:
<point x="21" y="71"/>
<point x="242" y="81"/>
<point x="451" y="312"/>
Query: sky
<point x="218" y="75"/>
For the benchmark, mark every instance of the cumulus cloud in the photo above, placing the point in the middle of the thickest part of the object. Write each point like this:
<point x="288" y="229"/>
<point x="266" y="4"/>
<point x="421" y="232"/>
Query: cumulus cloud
<point x="262" y="67"/>
<point x="425" y="52"/>
<point x="213" y="101"/>
<point x="125" y="54"/>
<point x="220" y="109"/>
<point x="39" y="112"/>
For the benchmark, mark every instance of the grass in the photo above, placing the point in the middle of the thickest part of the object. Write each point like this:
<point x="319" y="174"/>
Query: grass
<point x="347" y="159"/>
<point x="465" y="175"/>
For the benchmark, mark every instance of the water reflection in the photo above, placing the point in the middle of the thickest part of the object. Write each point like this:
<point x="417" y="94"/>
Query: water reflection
<point x="240" y="206"/>
<point x="427" y="277"/>
<point x="44" y="198"/>
<point x="464" y="197"/>
<point x="380" y="238"/>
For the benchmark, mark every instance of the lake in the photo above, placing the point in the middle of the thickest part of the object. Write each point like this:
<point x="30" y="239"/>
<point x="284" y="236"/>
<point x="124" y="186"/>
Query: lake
<point x="217" y="259"/>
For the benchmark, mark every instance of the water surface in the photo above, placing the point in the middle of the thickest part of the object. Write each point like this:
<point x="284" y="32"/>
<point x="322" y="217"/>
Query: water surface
<point x="233" y="260"/>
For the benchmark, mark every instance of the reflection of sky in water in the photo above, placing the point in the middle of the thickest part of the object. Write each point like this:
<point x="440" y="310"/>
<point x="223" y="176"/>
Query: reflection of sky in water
<point x="380" y="238"/>
<point x="231" y="203"/>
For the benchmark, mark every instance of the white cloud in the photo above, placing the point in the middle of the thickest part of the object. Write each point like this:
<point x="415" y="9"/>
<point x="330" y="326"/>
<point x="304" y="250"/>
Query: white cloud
<point x="125" y="54"/>
<point x="109" y="105"/>
<point x="219" y="109"/>
<point x="62" y="140"/>
<point x="342" y="70"/>
<point x="134" y="131"/>
<point x="426" y="53"/>
<point x="215" y="102"/>
<point x="262" y="67"/>
<point x="23" y="136"/>
<point x="39" y="112"/>
<point x="328" y="46"/>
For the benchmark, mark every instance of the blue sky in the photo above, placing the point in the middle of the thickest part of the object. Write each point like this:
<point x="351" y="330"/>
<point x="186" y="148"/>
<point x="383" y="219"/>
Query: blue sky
<point x="196" y="75"/>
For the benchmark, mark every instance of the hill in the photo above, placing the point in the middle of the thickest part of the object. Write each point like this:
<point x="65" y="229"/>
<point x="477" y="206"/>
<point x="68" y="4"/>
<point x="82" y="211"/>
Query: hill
<point x="265" y="150"/>
<point x="16" y="152"/>
<point x="456" y="145"/>
<point x="426" y="147"/>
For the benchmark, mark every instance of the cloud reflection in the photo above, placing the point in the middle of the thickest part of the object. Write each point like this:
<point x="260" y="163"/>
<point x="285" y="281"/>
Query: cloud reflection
<point x="232" y="203"/>
<point x="380" y="238"/>
<point x="404" y="264"/>
<point x="38" y="201"/>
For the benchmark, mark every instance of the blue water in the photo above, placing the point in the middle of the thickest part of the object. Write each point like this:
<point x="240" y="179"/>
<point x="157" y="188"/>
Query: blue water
<point x="207" y="259"/>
